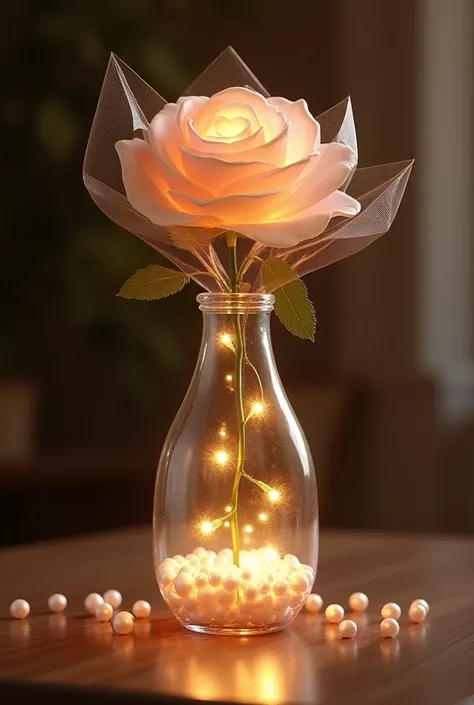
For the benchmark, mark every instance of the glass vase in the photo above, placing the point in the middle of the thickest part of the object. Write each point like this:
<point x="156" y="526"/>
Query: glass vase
<point x="235" y="510"/>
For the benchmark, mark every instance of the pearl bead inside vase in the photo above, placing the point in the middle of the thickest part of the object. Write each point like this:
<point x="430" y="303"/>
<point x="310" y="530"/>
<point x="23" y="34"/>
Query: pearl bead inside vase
<point x="264" y="593"/>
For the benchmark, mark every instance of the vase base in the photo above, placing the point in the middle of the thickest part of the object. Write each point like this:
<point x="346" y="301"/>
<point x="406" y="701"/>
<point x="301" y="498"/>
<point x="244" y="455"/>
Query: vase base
<point x="234" y="631"/>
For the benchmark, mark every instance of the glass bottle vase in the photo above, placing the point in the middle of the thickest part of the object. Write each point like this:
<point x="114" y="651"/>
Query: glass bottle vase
<point x="235" y="513"/>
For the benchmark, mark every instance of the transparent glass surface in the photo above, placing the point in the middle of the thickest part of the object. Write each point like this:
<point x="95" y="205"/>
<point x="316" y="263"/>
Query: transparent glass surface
<point x="235" y="512"/>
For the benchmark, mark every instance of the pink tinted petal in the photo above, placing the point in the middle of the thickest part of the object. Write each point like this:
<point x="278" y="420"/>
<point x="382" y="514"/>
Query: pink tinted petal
<point x="325" y="175"/>
<point x="228" y="97"/>
<point x="241" y="207"/>
<point x="146" y="189"/>
<point x="304" y="135"/>
<point x="165" y="137"/>
<point x="188" y="108"/>
<point x="284" y="178"/>
<point x="227" y="149"/>
<point x="305" y="226"/>
<point x="217" y="175"/>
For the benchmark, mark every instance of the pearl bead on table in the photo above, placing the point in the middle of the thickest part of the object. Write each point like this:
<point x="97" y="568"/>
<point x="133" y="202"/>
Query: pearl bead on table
<point x="104" y="612"/>
<point x="389" y="627"/>
<point x="113" y="597"/>
<point x="57" y="602"/>
<point x="92" y="601"/>
<point x="314" y="603"/>
<point x="20" y="609"/>
<point x="358" y="602"/>
<point x="123" y="623"/>
<point x="391" y="611"/>
<point x="417" y="613"/>
<point x="334" y="614"/>
<point x="421" y="602"/>
<point x="142" y="609"/>
<point x="347" y="629"/>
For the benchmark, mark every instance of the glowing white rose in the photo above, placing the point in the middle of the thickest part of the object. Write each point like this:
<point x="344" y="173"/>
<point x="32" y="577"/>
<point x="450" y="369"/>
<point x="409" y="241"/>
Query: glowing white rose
<point x="238" y="161"/>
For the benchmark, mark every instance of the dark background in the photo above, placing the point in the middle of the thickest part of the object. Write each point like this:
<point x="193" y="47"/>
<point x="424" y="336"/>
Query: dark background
<point x="89" y="383"/>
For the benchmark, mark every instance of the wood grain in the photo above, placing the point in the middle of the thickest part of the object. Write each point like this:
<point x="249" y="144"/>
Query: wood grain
<point x="70" y="656"/>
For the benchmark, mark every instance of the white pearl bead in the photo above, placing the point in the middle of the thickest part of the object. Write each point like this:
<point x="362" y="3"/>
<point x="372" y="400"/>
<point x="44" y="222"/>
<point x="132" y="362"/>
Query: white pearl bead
<point x="421" y="602"/>
<point x="190" y="603"/>
<point x="299" y="583"/>
<point x="200" y="552"/>
<point x="226" y="598"/>
<point x="251" y="591"/>
<point x="20" y="609"/>
<point x="265" y="586"/>
<point x="92" y="601"/>
<point x="389" y="627"/>
<point x="280" y="588"/>
<point x="242" y="618"/>
<point x="347" y="629"/>
<point x="204" y="616"/>
<point x="314" y="603"/>
<point x="57" y="602"/>
<point x="334" y="614"/>
<point x="104" y="612"/>
<point x="221" y="615"/>
<point x="417" y="613"/>
<point x="123" y="623"/>
<point x="175" y="600"/>
<point x="183" y="584"/>
<point x="166" y="579"/>
<point x="281" y="603"/>
<point x="179" y="559"/>
<point x="206" y="596"/>
<point x="142" y="609"/>
<point x="391" y="611"/>
<point x="291" y="561"/>
<point x="246" y="573"/>
<point x="201" y="580"/>
<point x="113" y="597"/>
<point x="231" y="582"/>
<point x="358" y="602"/>
<point x="215" y="578"/>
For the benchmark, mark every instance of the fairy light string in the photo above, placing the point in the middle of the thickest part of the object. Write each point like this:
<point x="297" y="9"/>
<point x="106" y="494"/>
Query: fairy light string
<point x="237" y="346"/>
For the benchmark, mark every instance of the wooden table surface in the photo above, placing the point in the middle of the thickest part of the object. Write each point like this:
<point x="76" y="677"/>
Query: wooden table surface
<point x="73" y="659"/>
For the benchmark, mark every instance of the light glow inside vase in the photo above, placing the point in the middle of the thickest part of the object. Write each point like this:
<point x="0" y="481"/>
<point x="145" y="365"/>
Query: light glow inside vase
<point x="235" y="514"/>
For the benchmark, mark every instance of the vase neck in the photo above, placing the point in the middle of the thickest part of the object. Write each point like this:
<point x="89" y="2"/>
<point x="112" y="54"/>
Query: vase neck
<point x="232" y="303"/>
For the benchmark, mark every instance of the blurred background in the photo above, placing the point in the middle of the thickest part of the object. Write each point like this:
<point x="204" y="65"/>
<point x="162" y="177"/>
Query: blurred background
<point x="90" y="383"/>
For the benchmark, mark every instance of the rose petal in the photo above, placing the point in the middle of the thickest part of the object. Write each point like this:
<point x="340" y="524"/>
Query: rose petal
<point x="325" y="175"/>
<point x="187" y="109"/>
<point x="304" y="136"/>
<point x="217" y="175"/>
<point x="226" y="149"/>
<point x="284" y="178"/>
<point x="244" y="208"/>
<point x="306" y="225"/>
<point x="271" y="120"/>
<point x="146" y="190"/>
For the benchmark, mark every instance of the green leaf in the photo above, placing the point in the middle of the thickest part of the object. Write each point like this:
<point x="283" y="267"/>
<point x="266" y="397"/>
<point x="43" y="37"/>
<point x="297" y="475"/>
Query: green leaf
<point x="153" y="282"/>
<point x="276" y="273"/>
<point x="292" y="305"/>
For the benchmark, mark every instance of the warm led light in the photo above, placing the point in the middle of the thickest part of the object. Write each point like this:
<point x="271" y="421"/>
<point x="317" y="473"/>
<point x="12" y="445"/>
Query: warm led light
<point x="228" y="508"/>
<point x="227" y="523"/>
<point x="273" y="495"/>
<point x="257" y="408"/>
<point x="263" y="516"/>
<point x="228" y="378"/>
<point x="223" y="433"/>
<point x="221" y="457"/>
<point x="248" y="529"/>
<point x="226" y="339"/>
<point x="206" y="527"/>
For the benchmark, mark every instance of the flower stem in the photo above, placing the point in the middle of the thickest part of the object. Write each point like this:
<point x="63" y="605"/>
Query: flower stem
<point x="239" y="402"/>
